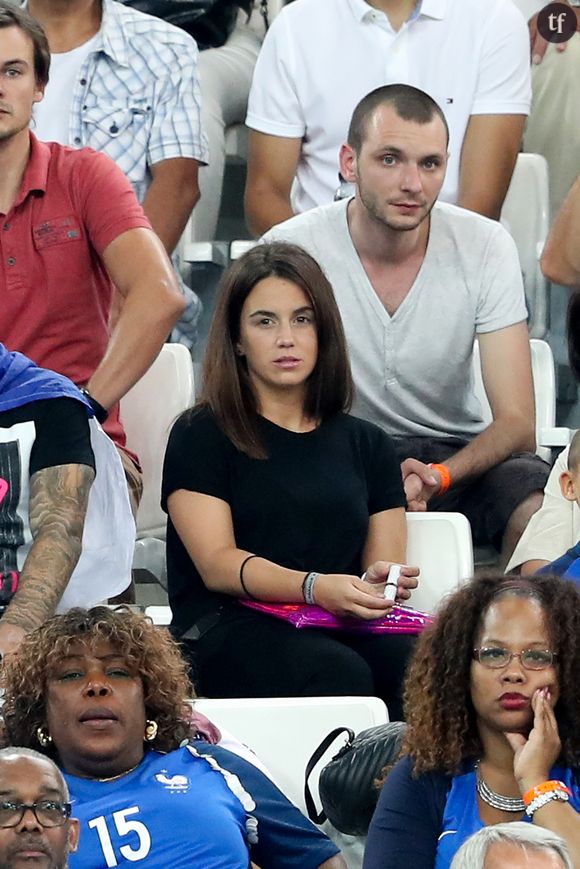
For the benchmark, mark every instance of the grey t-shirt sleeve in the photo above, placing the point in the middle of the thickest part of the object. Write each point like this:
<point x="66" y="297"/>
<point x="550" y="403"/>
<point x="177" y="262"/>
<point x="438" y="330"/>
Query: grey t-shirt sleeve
<point x="501" y="301"/>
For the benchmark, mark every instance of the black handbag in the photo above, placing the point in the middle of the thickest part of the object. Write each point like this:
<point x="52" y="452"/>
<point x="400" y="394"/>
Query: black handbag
<point x="348" y="783"/>
<point x="210" y="22"/>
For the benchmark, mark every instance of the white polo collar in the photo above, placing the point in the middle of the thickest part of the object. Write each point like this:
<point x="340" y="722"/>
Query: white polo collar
<point x="430" y="8"/>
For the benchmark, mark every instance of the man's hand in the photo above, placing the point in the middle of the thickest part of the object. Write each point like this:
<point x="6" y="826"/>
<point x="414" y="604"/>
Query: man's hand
<point x="507" y="378"/>
<point x="10" y="637"/>
<point x="420" y="483"/>
<point x="538" y="44"/>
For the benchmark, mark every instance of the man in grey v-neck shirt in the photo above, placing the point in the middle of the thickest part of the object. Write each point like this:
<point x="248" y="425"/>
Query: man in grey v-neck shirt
<point x="416" y="283"/>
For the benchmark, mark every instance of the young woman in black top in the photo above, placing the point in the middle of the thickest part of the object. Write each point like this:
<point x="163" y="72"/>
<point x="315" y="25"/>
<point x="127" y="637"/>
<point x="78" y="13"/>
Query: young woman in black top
<point x="267" y="480"/>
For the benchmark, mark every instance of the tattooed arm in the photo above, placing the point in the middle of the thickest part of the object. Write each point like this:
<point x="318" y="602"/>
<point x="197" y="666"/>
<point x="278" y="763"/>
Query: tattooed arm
<point x="58" y="505"/>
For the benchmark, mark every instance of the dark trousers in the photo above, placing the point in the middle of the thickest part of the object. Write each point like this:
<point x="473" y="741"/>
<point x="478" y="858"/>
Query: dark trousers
<point x="249" y="654"/>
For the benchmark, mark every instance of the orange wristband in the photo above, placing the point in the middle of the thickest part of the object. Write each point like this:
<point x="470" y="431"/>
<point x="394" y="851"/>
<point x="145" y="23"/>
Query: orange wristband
<point x="544" y="788"/>
<point x="445" y="475"/>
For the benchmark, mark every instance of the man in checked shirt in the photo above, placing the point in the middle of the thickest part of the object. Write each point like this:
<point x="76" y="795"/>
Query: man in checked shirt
<point x="72" y="235"/>
<point x="127" y="84"/>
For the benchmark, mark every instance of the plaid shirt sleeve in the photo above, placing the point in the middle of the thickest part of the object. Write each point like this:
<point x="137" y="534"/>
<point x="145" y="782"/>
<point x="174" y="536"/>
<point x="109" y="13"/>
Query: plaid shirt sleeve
<point x="176" y="129"/>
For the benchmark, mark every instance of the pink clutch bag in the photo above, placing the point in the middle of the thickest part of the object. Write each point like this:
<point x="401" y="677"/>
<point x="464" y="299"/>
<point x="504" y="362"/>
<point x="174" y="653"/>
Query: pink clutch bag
<point x="401" y="619"/>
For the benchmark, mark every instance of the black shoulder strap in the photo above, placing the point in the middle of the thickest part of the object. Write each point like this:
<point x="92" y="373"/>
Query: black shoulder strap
<point x="313" y="814"/>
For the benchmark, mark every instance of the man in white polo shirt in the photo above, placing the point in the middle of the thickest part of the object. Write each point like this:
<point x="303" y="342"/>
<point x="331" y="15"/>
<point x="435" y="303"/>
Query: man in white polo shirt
<point x="416" y="282"/>
<point x="320" y="57"/>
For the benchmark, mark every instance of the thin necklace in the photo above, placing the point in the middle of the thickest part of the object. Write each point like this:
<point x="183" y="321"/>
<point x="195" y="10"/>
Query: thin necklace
<point x="120" y="774"/>
<point x="495" y="800"/>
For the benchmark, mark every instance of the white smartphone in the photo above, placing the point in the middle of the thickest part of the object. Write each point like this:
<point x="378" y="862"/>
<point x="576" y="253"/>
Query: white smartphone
<point x="390" y="591"/>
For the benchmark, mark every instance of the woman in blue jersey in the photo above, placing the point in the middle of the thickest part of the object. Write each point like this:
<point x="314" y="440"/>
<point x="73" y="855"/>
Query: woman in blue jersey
<point x="103" y="693"/>
<point x="493" y="708"/>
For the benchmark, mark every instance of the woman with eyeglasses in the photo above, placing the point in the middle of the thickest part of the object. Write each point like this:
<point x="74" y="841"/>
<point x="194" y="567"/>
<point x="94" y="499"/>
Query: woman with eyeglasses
<point x="103" y="694"/>
<point x="493" y="711"/>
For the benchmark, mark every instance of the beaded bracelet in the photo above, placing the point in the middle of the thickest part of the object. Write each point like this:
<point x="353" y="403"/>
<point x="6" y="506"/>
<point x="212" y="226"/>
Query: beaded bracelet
<point x="544" y="788"/>
<point x="308" y="587"/>
<point x="547" y="797"/>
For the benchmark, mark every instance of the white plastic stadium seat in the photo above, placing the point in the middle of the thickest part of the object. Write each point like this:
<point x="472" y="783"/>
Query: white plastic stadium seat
<point x="199" y="251"/>
<point x="544" y="376"/>
<point x="159" y="615"/>
<point x="526" y="213"/>
<point x="148" y="412"/>
<point x="284" y="732"/>
<point x="440" y="545"/>
<point x="240" y="247"/>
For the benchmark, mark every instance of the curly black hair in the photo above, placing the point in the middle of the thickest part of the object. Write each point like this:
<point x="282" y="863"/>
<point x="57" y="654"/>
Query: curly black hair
<point x="149" y="650"/>
<point x="442" y="730"/>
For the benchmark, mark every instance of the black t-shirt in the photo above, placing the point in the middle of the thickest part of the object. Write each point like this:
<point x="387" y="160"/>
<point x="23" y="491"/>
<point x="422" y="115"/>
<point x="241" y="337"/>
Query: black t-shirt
<point x="58" y="429"/>
<point x="305" y="507"/>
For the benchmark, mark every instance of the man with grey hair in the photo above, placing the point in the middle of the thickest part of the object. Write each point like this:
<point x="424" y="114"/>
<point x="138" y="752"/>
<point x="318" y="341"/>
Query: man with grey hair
<point x="35" y="824"/>
<point x="514" y="845"/>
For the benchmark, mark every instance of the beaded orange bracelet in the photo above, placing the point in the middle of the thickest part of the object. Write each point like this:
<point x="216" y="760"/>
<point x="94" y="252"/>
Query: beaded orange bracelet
<point x="544" y="788"/>
<point x="445" y="475"/>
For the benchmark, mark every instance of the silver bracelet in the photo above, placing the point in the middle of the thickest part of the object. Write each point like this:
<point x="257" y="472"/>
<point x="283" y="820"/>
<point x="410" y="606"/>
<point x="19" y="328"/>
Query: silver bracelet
<point x="308" y="587"/>
<point x="543" y="799"/>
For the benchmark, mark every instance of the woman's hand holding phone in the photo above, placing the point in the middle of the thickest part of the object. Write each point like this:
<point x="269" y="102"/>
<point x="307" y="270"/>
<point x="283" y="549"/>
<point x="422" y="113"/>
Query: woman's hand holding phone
<point x="383" y="572"/>
<point x="345" y="595"/>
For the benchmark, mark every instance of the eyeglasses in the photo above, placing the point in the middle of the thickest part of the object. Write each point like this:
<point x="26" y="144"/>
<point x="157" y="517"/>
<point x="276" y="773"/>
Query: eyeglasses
<point x="47" y="812"/>
<point x="495" y="657"/>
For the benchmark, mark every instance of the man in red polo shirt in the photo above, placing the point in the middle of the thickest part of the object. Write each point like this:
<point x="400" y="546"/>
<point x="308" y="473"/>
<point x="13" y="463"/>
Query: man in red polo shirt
<point x="71" y="231"/>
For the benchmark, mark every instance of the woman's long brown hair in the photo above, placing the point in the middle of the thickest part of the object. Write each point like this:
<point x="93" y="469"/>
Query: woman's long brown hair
<point x="227" y="390"/>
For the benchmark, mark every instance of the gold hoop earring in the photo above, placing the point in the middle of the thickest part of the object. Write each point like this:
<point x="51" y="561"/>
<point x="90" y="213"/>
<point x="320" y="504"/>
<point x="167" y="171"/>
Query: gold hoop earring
<point x="43" y="736"/>
<point x="151" y="730"/>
